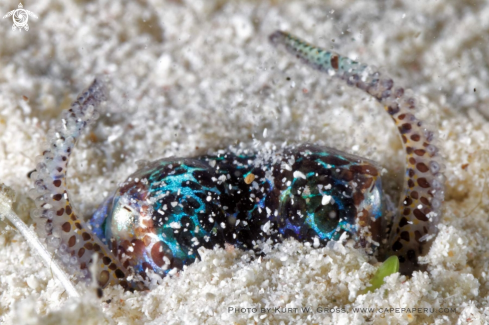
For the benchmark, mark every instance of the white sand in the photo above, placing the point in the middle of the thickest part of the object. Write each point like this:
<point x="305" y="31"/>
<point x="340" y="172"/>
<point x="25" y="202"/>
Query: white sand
<point x="191" y="76"/>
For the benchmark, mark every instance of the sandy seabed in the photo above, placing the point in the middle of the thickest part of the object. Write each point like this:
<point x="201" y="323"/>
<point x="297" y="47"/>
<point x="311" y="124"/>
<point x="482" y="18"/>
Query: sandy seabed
<point x="194" y="76"/>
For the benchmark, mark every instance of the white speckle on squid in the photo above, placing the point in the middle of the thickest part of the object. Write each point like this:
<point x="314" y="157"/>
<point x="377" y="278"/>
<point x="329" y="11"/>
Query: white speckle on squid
<point x="166" y="260"/>
<point x="316" y="242"/>
<point x="326" y="199"/>
<point x="175" y="225"/>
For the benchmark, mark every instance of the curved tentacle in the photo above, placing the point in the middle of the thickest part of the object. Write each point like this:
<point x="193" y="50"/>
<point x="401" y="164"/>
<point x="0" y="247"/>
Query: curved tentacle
<point x="65" y="232"/>
<point x="419" y="212"/>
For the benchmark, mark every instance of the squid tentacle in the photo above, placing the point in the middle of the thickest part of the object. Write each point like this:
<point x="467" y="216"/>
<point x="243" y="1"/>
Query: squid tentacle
<point x="419" y="210"/>
<point x="65" y="231"/>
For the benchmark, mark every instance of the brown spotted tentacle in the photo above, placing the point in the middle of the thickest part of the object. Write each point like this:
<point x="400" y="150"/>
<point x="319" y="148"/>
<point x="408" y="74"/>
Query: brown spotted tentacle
<point x="65" y="232"/>
<point x="419" y="210"/>
<point x="420" y="206"/>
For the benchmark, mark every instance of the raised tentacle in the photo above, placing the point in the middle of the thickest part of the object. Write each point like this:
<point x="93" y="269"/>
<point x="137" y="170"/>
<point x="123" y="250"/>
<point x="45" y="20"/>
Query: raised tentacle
<point x="65" y="232"/>
<point x="419" y="212"/>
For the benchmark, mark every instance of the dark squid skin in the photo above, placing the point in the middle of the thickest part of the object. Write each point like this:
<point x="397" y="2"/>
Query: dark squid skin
<point x="310" y="193"/>
<point x="160" y="217"/>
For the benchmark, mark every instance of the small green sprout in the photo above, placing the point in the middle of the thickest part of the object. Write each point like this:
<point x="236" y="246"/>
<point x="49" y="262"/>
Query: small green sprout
<point x="390" y="266"/>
